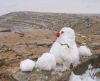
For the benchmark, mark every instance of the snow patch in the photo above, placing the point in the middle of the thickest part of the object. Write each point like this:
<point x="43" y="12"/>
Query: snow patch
<point x="89" y="75"/>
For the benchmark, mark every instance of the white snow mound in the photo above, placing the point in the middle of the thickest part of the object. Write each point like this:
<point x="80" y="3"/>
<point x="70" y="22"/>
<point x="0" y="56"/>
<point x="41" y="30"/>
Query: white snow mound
<point x="84" y="51"/>
<point x="46" y="62"/>
<point x="27" y="65"/>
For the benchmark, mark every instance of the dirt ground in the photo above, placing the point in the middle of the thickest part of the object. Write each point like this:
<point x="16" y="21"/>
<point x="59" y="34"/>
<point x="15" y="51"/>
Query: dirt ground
<point x="15" y="47"/>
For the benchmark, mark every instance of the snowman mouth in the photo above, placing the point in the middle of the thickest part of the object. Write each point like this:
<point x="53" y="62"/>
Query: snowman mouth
<point x="65" y="44"/>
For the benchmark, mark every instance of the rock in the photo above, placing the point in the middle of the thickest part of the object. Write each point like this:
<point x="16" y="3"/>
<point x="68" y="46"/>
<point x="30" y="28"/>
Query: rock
<point x="29" y="50"/>
<point x="96" y="36"/>
<point x="43" y="42"/>
<point x="81" y="40"/>
<point x="4" y="76"/>
<point x="95" y="46"/>
<point x="13" y="70"/>
<point x="36" y="75"/>
<point x="20" y="34"/>
<point x="5" y="48"/>
<point x="98" y="33"/>
<point x="83" y="66"/>
<point x="2" y="61"/>
<point x="5" y="30"/>
<point x="21" y="49"/>
<point x="98" y="75"/>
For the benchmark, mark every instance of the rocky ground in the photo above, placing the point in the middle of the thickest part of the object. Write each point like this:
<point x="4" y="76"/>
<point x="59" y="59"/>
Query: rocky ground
<point x="19" y="21"/>
<point x="16" y="45"/>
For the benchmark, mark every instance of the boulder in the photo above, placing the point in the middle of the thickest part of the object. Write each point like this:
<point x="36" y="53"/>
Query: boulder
<point x="43" y="42"/>
<point x="5" y="30"/>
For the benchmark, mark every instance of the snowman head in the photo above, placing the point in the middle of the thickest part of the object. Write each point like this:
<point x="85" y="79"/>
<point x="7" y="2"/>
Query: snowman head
<point x="66" y="35"/>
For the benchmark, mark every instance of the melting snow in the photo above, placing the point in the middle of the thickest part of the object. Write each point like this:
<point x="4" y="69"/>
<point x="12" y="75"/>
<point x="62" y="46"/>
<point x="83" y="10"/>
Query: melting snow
<point x="89" y="75"/>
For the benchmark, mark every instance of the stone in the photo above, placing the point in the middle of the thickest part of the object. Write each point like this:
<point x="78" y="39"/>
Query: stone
<point x="95" y="36"/>
<point x="46" y="42"/>
<point x="13" y="70"/>
<point x="94" y="60"/>
<point x="43" y="42"/>
<point x="95" y="45"/>
<point x="98" y="75"/>
<point x="5" y="30"/>
<point x="5" y="48"/>
<point x="98" y="33"/>
<point x="38" y="76"/>
<point x="21" y="49"/>
<point x="2" y="61"/>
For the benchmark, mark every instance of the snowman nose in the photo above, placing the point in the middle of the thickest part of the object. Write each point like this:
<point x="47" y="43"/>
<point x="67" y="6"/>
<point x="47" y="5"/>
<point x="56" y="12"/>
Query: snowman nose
<point x="57" y="34"/>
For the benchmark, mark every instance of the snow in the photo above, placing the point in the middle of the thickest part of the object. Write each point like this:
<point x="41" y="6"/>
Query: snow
<point x="84" y="51"/>
<point x="89" y="75"/>
<point x="55" y="50"/>
<point x="67" y="53"/>
<point x="27" y="65"/>
<point x="46" y="62"/>
<point x="74" y="77"/>
<point x="60" y="68"/>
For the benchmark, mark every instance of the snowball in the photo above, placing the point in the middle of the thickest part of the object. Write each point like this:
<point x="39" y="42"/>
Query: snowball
<point x="27" y="65"/>
<point x="84" y="51"/>
<point x="46" y="62"/>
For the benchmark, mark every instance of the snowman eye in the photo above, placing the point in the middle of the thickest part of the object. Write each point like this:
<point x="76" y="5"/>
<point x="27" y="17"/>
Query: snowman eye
<point x="62" y="32"/>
